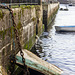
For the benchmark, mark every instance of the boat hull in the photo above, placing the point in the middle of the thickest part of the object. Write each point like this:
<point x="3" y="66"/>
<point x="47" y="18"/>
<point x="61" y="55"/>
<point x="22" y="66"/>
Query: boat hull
<point x="63" y="9"/>
<point x="37" y="64"/>
<point x="65" y="28"/>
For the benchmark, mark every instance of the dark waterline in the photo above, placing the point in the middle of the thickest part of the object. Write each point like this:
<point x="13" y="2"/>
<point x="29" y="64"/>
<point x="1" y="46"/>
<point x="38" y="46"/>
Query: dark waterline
<point x="59" y="48"/>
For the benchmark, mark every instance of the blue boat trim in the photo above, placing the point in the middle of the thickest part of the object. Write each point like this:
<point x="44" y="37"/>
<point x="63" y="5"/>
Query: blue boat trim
<point x="36" y="66"/>
<point x="65" y="26"/>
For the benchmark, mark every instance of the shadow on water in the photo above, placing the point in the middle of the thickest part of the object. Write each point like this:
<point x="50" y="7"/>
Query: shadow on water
<point x="39" y="48"/>
<point x="33" y="50"/>
<point x="65" y="32"/>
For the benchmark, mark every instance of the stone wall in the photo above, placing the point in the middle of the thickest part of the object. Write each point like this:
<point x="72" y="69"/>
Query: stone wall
<point x="49" y="10"/>
<point x="64" y="1"/>
<point x="52" y="9"/>
<point x="26" y="19"/>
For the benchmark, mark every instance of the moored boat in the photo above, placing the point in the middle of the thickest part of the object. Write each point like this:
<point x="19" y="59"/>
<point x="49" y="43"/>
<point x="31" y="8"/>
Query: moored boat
<point x="37" y="64"/>
<point x="64" y="9"/>
<point x="65" y="28"/>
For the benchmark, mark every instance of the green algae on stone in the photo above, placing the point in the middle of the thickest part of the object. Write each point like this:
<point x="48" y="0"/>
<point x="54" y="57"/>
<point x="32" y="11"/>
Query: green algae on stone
<point x="19" y="25"/>
<point x="14" y="14"/>
<point x="3" y="33"/>
<point x="1" y="14"/>
<point x="33" y="19"/>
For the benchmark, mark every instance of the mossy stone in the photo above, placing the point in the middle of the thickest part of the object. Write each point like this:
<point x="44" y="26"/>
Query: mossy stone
<point x="1" y="14"/>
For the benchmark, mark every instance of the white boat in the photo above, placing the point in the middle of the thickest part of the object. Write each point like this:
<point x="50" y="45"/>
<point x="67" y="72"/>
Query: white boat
<point x="64" y="9"/>
<point x="65" y="28"/>
<point x="71" y="4"/>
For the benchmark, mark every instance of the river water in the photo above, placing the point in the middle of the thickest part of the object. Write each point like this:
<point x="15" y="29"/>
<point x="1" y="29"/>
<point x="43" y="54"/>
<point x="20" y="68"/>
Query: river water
<point x="59" y="48"/>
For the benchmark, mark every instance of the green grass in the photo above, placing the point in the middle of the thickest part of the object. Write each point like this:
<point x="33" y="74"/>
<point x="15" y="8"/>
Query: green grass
<point x="23" y="6"/>
<point x="16" y="6"/>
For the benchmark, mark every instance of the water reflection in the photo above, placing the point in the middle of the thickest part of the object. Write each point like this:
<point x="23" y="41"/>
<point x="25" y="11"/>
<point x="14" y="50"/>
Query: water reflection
<point x="59" y="48"/>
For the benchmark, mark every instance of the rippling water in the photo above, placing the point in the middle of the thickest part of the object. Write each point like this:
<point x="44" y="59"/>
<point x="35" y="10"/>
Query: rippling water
<point x="59" y="48"/>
